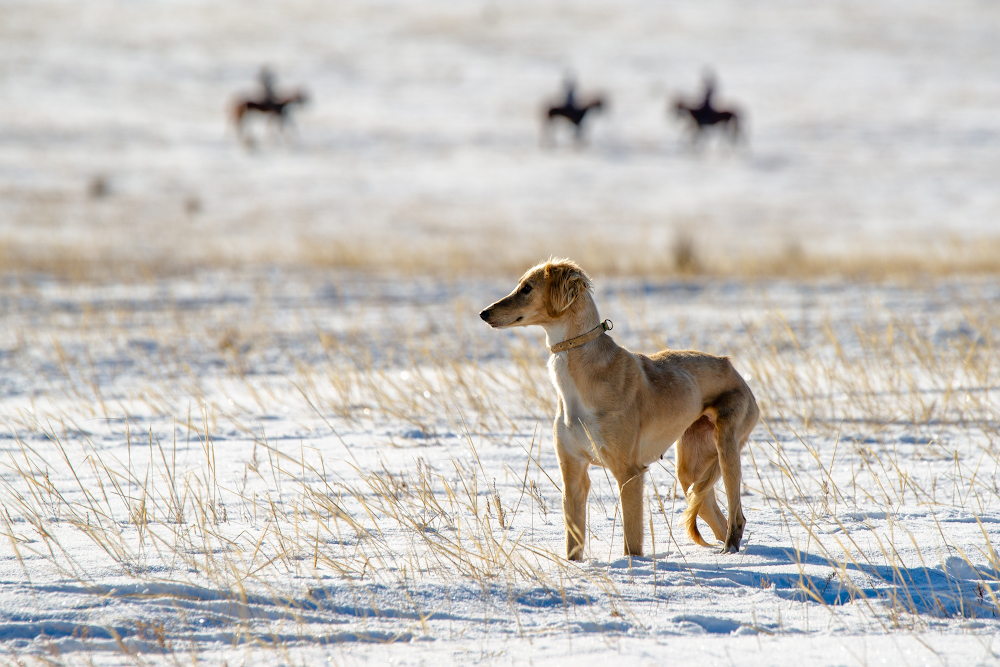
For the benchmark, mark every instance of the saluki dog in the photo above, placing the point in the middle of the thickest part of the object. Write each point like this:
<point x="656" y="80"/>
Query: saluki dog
<point x="622" y="410"/>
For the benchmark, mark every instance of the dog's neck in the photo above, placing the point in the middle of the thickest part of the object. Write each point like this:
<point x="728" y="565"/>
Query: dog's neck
<point x="578" y="319"/>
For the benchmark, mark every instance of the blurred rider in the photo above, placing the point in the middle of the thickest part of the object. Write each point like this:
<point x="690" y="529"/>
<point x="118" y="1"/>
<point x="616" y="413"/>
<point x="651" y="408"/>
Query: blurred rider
<point x="569" y="85"/>
<point x="709" y="83"/>
<point x="266" y="78"/>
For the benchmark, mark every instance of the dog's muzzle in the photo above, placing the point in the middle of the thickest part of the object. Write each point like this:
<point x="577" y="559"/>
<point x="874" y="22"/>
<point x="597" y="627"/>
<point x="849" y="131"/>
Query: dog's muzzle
<point x="488" y="317"/>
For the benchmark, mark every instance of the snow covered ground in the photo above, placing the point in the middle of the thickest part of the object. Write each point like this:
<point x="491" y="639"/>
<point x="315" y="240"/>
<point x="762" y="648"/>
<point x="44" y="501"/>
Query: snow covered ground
<point x="300" y="467"/>
<point x="870" y="124"/>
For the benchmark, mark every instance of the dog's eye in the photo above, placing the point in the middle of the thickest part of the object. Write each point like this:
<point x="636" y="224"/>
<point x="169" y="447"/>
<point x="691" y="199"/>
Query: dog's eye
<point x="526" y="289"/>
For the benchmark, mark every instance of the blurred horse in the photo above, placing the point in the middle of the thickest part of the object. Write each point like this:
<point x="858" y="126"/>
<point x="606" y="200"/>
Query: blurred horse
<point x="706" y="116"/>
<point x="574" y="113"/>
<point x="277" y="109"/>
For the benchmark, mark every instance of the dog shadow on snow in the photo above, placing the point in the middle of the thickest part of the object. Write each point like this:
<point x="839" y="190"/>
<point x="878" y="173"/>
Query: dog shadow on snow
<point x="955" y="589"/>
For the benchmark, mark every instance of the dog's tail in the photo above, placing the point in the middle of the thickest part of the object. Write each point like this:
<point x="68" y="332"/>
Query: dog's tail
<point x="696" y="498"/>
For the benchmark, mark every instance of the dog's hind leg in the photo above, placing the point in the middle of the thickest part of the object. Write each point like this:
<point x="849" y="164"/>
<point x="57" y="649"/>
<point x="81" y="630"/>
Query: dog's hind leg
<point x="737" y="414"/>
<point x="630" y="493"/>
<point x="698" y="471"/>
<point x="576" y="487"/>
<point x="712" y="515"/>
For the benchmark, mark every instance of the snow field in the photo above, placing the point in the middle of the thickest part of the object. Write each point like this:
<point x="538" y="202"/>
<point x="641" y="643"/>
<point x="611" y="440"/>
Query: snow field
<point x="303" y="466"/>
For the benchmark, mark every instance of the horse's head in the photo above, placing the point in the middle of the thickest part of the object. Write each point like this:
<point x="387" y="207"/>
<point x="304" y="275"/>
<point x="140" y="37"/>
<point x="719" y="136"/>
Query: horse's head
<point x="298" y="97"/>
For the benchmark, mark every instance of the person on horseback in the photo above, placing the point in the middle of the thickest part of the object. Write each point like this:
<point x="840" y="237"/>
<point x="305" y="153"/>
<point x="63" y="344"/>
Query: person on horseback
<point x="266" y="78"/>
<point x="709" y="82"/>
<point x="571" y="109"/>
<point x="705" y="115"/>
<point x="569" y="86"/>
<point x="269" y="103"/>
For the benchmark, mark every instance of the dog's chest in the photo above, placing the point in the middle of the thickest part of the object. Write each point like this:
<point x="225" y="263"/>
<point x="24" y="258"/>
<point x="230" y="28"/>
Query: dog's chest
<point x="574" y="409"/>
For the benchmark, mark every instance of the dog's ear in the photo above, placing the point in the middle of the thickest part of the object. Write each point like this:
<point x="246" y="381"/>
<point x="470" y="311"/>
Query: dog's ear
<point x="566" y="282"/>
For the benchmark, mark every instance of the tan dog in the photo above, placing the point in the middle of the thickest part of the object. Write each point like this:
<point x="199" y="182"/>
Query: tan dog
<point x="622" y="410"/>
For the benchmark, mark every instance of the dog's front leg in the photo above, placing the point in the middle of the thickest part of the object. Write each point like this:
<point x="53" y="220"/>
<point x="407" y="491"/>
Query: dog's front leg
<point x="630" y="492"/>
<point x="576" y="486"/>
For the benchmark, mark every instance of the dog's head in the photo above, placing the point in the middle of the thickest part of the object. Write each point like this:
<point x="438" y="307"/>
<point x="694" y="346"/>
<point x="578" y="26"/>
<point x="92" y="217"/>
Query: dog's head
<point x="543" y="294"/>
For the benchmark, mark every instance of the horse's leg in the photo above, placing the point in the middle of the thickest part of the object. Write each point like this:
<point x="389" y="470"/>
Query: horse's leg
<point x="276" y="125"/>
<point x="546" y="138"/>
<point x="736" y="132"/>
<point x="694" y="137"/>
<point x="246" y="138"/>
<point x="289" y="126"/>
<point x="281" y="120"/>
<point x="239" y="113"/>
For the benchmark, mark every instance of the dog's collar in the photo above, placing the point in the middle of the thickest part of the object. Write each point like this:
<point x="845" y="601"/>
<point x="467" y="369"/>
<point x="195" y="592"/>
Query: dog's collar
<point x="606" y="325"/>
